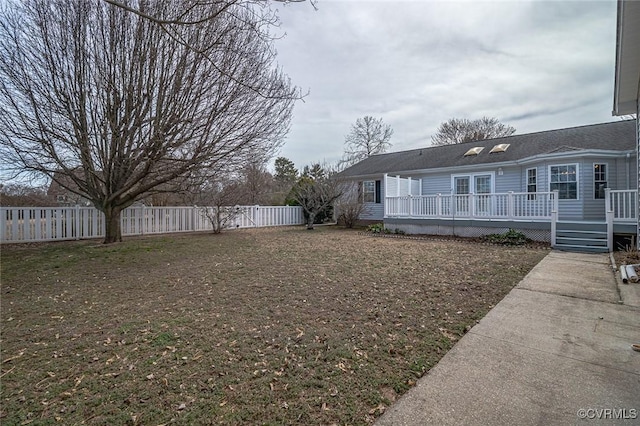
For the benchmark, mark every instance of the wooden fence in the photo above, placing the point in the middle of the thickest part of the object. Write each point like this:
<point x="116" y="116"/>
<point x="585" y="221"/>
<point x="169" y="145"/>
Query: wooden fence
<point x="32" y="224"/>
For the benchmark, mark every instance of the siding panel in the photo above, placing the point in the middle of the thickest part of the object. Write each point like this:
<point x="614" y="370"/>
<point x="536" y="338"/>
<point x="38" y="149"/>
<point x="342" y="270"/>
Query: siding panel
<point x="375" y="211"/>
<point x="511" y="180"/>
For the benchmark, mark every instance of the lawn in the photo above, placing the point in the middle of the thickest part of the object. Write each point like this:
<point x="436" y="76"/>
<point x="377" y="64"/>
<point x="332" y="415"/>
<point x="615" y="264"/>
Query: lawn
<point x="267" y="326"/>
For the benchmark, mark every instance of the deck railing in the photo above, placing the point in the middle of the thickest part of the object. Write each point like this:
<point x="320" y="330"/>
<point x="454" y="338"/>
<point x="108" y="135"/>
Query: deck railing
<point x="31" y="224"/>
<point x="624" y="204"/>
<point x="510" y="205"/>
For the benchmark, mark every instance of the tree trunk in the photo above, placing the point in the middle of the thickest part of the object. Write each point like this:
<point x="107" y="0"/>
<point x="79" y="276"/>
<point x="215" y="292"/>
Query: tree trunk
<point x="310" y="220"/>
<point x="113" y="231"/>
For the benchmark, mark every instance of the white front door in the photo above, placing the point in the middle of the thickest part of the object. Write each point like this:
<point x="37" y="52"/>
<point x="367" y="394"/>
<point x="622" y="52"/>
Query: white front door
<point x="461" y="197"/>
<point x="482" y="184"/>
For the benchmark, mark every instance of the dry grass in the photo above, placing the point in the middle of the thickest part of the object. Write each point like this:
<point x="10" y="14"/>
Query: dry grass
<point x="271" y="326"/>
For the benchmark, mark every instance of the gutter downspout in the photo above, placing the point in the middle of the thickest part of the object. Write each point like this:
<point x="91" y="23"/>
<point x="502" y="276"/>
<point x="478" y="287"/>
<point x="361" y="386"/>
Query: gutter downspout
<point x="628" y="156"/>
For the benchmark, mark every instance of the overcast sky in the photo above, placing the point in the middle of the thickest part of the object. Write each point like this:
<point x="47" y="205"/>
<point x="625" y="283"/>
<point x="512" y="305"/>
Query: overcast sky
<point x="535" y="65"/>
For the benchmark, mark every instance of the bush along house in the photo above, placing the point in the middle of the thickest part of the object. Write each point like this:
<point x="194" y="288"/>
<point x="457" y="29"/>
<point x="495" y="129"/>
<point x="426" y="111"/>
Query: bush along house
<point x="575" y="188"/>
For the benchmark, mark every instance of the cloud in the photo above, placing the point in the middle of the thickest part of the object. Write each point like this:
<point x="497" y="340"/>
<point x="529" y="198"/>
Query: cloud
<point x="534" y="65"/>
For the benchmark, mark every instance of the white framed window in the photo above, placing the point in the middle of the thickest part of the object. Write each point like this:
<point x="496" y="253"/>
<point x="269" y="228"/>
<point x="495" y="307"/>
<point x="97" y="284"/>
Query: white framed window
<point x="532" y="182"/>
<point x="476" y="183"/>
<point x="462" y="185"/>
<point x="371" y="191"/>
<point x="482" y="184"/>
<point x="564" y="179"/>
<point x="599" y="180"/>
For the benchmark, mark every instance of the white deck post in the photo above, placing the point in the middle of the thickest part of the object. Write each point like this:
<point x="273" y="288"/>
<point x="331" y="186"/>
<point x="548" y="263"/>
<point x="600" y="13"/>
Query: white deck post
<point x="409" y="196"/>
<point x="386" y="195"/>
<point x="554" y="217"/>
<point x="609" y="216"/>
<point x="510" y="205"/>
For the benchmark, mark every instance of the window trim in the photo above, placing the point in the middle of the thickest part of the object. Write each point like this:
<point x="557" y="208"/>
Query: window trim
<point x="527" y="183"/>
<point x="577" y="166"/>
<point x="606" y="179"/>
<point x="531" y="194"/>
<point x="377" y="191"/>
<point x="472" y="181"/>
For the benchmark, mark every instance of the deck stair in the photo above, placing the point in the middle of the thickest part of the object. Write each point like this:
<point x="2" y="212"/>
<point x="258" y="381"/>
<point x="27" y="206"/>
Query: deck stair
<point x="589" y="237"/>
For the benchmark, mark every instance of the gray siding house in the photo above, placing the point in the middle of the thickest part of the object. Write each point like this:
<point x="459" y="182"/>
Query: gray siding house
<point x="571" y="186"/>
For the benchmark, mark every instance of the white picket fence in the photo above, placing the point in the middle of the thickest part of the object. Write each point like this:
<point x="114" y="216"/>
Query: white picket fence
<point x="32" y="224"/>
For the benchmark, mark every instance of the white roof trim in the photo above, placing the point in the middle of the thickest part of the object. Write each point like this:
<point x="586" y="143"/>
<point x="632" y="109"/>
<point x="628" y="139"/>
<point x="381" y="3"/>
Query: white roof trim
<point x="627" y="69"/>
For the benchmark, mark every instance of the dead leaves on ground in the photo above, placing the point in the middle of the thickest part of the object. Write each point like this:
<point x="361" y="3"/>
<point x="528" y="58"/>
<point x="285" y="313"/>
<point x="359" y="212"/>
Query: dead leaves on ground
<point x="264" y="326"/>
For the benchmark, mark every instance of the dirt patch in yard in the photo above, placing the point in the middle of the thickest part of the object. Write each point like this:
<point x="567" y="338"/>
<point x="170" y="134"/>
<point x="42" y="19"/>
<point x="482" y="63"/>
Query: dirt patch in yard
<point x="270" y="326"/>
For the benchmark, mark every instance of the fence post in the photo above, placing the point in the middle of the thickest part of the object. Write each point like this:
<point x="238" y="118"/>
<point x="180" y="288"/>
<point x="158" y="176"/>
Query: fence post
<point x="3" y="224"/>
<point x="257" y="216"/>
<point x="77" y="222"/>
<point x="143" y="221"/>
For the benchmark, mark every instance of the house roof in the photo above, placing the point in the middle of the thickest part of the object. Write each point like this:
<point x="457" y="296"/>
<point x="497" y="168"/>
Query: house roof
<point x="627" y="71"/>
<point x="614" y="136"/>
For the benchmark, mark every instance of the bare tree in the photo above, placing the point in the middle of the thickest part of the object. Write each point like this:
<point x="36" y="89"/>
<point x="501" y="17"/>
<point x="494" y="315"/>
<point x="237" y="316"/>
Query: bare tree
<point x="255" y="184"/>
<point x="182" y="16"/>
<point x="218" y="199"/>
<point x="89" y="86"/>
<point x="368" y="136"/>
<point x="349" y="206"/>
<point x="19" y="195"/>
<point x="315" y="193"/>
<point x="459" y="130"/>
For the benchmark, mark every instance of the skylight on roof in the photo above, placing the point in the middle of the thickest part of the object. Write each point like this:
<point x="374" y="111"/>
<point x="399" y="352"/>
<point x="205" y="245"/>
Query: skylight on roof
<point x="474" y="151"/>
<point x="499" y="148"/>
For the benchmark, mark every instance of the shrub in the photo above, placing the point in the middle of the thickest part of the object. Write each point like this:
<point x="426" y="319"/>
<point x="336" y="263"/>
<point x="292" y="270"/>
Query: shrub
<point x="378" y="228"/>
<point x="509" y="238"/>
<point x="349" y="208"/>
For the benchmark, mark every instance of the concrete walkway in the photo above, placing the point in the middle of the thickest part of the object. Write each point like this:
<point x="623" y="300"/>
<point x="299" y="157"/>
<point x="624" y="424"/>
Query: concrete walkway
<point x="557" y="348"/>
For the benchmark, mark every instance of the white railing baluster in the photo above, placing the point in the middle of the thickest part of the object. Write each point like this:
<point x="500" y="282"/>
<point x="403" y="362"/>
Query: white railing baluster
<point x="623" y="203"/>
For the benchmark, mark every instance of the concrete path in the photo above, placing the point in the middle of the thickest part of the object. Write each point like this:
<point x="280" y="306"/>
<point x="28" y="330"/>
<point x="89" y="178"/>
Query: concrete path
<point x="555" y="350"/>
